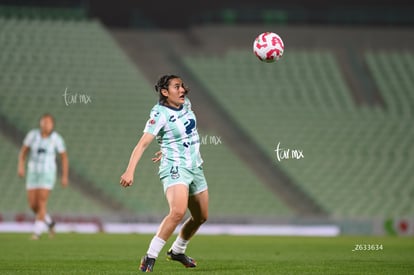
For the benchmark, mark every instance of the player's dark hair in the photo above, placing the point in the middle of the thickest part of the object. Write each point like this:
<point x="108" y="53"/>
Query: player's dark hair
<point x="163" y="83"/>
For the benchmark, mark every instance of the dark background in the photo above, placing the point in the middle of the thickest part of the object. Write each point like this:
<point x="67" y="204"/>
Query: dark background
<point x="183" y="13"/>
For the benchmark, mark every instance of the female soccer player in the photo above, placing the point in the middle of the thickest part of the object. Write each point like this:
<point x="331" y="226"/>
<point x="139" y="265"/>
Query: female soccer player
<point x="42" y="144"/>
<point x="174" y="124"/>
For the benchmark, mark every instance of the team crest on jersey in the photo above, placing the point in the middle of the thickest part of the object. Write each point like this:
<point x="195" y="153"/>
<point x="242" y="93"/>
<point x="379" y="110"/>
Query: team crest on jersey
<point x="151" y="121"/>
<point x="174" y="172"/>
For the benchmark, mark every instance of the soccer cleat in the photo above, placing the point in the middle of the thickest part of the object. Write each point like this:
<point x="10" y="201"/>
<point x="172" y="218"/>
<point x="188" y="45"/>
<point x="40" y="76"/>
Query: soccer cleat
<point x="147" y="264"/>
<point x="182" y="258"/>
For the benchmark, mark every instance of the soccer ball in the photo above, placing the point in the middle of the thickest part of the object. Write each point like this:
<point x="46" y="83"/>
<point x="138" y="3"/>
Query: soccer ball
<point x="268" y="47"/>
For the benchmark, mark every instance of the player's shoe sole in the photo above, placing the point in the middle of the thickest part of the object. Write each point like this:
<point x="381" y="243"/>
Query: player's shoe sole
<point x="182" y="258"/>
<point x="147" y="264"/>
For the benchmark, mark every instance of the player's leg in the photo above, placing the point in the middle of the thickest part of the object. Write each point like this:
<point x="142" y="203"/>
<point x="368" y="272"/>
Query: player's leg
<point x="43" y="197"/>
<point x="177" y="200"/>
<point x="33" y="204"/>
<point x="47" y="181"/>
<point x="198" y="206"/>
<point x="32" y="180"/>
<point x="32" y="185"/>
<point x="31" y="198"/>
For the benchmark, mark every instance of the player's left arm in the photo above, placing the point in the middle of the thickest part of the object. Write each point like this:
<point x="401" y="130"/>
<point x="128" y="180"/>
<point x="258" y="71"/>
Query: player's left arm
<point x="157" y="157"/>
<point x="22" y="160"/>
<point x="65" y="168"/>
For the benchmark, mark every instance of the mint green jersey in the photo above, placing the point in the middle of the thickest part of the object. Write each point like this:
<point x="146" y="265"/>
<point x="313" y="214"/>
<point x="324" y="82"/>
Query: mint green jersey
<point x="176" y="132"/>
<point x="43" y="151"/>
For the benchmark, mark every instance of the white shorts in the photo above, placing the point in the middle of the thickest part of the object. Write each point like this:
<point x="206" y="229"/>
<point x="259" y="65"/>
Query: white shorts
<point x="194" y="179"/>
<point x="40" y="180"/>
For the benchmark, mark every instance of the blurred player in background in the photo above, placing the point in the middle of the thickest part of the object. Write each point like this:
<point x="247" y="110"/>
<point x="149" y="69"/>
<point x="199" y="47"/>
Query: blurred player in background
<point x="43" y="144"/>
<point x="174" y="124"/>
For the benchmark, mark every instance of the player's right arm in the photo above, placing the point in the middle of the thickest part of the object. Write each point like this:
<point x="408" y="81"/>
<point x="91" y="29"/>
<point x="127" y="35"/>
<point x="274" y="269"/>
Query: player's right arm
<point x="22" y="160"/>
<point x="24" y="151"/>
<point x="127" y="177"/>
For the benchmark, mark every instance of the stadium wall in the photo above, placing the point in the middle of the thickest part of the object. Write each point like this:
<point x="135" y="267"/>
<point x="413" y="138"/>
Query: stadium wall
<point x="357" y="227"/>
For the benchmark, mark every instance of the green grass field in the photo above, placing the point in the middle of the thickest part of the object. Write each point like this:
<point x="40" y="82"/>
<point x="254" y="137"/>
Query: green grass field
<point x="119" y="254"/>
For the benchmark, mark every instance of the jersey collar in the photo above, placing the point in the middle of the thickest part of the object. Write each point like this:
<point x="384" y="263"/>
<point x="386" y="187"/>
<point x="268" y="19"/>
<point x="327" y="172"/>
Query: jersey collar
<point x="172" y="108"/>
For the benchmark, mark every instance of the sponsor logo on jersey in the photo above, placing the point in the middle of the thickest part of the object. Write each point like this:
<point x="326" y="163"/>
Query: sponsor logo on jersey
<point x="172" y="119"/>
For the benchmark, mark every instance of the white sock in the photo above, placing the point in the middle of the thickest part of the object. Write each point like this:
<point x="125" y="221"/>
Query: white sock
<point x="155" y="247"/>
<point x="39" y="227"/>
<point x="179" y="246"/>
<point x="48" y="219"/>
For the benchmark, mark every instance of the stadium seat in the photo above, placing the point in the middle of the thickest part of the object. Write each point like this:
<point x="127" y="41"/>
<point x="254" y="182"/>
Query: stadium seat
<point x="349" y="166"/>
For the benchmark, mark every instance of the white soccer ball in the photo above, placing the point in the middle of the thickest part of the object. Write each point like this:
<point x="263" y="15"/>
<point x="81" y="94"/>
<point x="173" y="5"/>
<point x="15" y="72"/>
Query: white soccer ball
<point x="268" y="47"/>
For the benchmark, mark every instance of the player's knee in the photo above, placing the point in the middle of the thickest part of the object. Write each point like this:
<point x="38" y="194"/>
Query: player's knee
<point x="204" y="218"/>
<point x="34" y="206"/>
<point x="177" y="215"/>
<point x="200" y="220"/>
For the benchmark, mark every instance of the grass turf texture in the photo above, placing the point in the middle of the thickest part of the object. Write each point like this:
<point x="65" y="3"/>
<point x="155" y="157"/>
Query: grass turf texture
<point x="119" y="254"/>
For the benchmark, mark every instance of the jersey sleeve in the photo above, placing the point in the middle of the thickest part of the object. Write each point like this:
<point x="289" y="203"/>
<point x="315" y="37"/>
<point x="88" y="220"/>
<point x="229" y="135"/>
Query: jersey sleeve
<point x="28" y="140"/>
<point x="155" y="123"/>
<point x="60" y="144"/>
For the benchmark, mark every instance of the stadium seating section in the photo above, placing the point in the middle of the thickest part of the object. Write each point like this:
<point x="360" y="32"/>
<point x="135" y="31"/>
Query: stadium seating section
<point x="77" y="72"/>
<point x="357" y="161"/>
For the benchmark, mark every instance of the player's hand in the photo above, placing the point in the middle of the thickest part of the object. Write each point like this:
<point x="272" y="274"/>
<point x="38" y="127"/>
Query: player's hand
<point x="157" y="158"/>
<point x="21" y="171"/>
<point x="126" y="179"/>
<point x="64" y="181"/>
